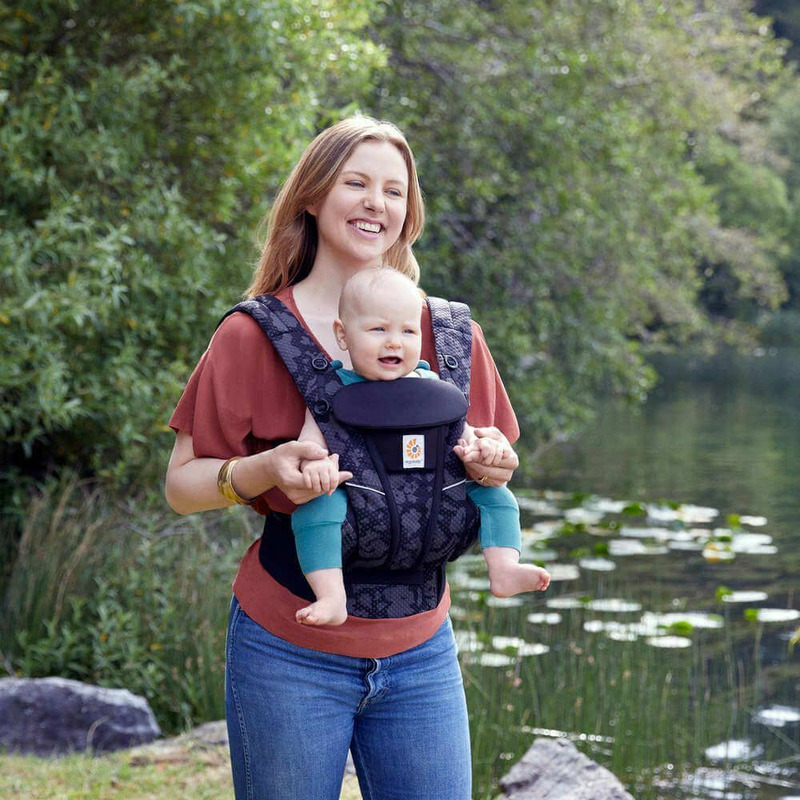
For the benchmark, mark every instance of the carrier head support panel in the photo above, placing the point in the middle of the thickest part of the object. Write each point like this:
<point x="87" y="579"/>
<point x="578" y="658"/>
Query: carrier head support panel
<point x="408" y="514"/>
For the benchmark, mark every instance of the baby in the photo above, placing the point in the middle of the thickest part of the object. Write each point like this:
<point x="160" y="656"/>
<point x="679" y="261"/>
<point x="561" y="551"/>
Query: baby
<point x="379" y="326"/>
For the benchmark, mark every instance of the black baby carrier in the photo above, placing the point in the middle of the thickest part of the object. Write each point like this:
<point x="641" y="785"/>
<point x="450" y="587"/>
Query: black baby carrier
<point x="408" y="514"/>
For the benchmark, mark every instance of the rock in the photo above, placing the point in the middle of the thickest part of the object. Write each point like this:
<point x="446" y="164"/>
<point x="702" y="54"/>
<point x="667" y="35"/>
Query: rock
<point x="209" y="741"/>
<point x="554" y="769"/>
<point x="54" y="716"/>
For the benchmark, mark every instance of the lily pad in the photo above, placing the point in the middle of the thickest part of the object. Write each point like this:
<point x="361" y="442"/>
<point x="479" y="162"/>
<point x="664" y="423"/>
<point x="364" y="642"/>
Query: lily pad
<point x="670" y="642"/>
<point x="533" y="649"/>
<point x="777" y="614"/>
<point x="565" y="602"/>
<point x="716" y="551"/>
<point x="468" y="641"/>
<point x="504" y="602"/>
<point x="686" y="545"/>
<point x="544" y="530"/>
<point x="622" y="636"/>
<point x="597" y="564"/>
<point x="541" y="506"/>
<point x="504" y="642"/>
<point x="614" y="605"/>
<point x="751" y="542"/>
<point x="563" y="572"/>
<point x="634" y="547"/>
<point x="608" y="506"/>
<point x="778" y="716"/>
<point x="583" y="516"/>
<point x="697" y="619"/>
<point x="495" y="660"/>
<point x="688" y="514"/>
<point x="743" y="596"/>
<point x="753" y="522"/>
<point x="659" y="534"/>
<point x="543" y="618"/>
<point x="697" y="515"/>
<point x="733" y="750"/>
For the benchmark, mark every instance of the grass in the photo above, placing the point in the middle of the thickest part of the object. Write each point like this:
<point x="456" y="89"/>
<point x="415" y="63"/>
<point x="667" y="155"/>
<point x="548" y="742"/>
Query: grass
<point x="190" y="774"/>
<point x="81" y="777"/>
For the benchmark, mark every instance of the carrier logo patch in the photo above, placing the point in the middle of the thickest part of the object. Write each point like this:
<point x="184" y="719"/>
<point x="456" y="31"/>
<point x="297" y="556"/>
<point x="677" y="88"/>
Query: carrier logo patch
<point x="413" y="451"/>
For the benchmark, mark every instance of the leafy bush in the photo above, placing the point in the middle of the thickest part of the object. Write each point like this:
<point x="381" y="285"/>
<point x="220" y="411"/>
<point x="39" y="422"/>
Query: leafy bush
<point x="138" y="145"/>
<point x="96" y="596"/>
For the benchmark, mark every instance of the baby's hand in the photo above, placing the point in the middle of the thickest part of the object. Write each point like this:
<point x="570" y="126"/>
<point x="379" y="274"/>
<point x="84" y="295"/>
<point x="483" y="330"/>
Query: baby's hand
<point x="322" y="474"/>
<point x="488" y="452"/>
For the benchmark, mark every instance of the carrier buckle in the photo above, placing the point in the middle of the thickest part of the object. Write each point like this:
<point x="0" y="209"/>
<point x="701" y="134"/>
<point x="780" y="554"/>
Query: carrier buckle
<point x="322" y="408"/>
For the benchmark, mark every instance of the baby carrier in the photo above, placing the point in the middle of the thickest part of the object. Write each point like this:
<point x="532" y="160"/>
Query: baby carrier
<point x="408" y="514"/>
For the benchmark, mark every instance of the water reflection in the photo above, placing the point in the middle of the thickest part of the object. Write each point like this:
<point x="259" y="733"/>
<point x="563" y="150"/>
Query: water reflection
<point x="669" y="633"/>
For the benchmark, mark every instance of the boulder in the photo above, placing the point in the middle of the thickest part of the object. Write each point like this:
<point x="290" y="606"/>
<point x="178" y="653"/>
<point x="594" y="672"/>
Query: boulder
<point x="54" y="716"/>
<point x="554" y="769"/>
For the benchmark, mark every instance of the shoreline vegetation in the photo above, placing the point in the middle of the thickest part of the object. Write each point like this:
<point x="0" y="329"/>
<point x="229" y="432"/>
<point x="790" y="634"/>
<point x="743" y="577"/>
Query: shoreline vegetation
<point x="105" y="596"/>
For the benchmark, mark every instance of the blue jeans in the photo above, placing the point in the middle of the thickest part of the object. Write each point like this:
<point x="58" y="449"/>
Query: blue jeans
<point x="293" y="713"/>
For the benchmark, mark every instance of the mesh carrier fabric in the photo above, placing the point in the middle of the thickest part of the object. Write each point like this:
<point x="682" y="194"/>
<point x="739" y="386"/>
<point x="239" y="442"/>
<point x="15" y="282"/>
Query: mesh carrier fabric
<point x="401" y="527"/>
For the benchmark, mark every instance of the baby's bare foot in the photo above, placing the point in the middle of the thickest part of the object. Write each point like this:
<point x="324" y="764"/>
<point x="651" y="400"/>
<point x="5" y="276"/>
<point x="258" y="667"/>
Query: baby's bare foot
<point x="514" y="579"/>
<point x="326" y="611"/>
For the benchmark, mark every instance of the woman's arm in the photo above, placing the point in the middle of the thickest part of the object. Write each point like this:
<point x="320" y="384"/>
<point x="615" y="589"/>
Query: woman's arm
<point x="191" y="483"/>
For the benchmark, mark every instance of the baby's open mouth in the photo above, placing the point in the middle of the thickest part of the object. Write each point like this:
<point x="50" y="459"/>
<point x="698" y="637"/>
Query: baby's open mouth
<point x="392" y="360"/>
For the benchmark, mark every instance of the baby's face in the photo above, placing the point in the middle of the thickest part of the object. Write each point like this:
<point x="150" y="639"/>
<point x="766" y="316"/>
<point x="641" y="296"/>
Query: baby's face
<point x="382" y="333"/>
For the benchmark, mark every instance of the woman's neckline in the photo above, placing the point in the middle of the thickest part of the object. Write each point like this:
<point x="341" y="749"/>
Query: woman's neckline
<point x="296" y="311"/>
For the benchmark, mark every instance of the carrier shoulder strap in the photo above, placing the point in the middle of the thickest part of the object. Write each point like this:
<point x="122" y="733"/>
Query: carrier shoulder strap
<point x="310" y="369"/>
<point x="452" y="335"/>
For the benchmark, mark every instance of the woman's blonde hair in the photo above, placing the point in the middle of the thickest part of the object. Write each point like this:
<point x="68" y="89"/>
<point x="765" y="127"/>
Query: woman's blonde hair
<point x="291" y="241"/>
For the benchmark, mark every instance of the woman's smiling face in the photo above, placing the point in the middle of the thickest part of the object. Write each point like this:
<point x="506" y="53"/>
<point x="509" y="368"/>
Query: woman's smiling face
<point x="362" y="215"/>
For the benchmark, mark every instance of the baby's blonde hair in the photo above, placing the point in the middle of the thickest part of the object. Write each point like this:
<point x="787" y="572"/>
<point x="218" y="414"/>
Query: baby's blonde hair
<point x="358" y="286"/>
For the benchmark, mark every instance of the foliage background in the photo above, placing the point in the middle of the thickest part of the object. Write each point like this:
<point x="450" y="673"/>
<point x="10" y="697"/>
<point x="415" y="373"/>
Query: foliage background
<point x="600" y="177"/>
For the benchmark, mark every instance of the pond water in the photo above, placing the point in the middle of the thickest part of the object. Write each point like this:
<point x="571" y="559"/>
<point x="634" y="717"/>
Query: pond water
<point x="665" y="647"/>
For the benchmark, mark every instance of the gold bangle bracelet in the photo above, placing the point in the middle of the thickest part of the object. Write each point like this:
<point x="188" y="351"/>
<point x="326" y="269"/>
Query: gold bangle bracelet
<point x="225" y="483"/>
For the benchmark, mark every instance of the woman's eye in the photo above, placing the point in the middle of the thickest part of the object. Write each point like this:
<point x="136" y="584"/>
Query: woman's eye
<point x="354" y="183"/>
<point x="395" y="193"/>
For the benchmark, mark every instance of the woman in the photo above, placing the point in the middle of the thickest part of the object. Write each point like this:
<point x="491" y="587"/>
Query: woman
<point x="299" y="697"/>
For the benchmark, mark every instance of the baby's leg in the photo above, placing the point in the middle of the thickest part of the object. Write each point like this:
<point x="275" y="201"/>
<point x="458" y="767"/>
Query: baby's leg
<point x="330" y="607"/>
<point x="501" y="540"/>
<point x="317" y="527"/>
<point x="508" y="577"/>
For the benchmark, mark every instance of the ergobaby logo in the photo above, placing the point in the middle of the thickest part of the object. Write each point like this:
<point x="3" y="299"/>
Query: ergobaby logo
<point x="413" y="451"/>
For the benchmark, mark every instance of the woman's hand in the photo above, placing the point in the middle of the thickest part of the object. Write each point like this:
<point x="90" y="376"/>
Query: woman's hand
<point x="487" y="455"/>
<point x="282" y="467"/>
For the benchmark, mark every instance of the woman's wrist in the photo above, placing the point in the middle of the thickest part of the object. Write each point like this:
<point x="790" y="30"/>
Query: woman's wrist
<point x="225" y="483"/>
<point x="250" y="477"/>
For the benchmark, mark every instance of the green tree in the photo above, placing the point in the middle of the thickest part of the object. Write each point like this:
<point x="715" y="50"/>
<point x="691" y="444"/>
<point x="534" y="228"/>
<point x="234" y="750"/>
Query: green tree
<point x="784" y="124"/>
<point x="139" y="144"/>
<point x="557" y="147"/>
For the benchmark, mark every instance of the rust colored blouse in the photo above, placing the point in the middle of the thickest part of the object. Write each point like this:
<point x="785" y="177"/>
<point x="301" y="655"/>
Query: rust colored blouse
<point x="241" y="400"/>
